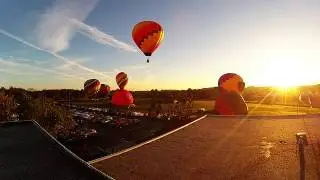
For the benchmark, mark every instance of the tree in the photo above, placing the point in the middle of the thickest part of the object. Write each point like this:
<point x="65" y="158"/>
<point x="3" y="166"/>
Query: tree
<point x="25" y="106"/>
<point x="6" y="108"/>
<point x="53" y="118"/>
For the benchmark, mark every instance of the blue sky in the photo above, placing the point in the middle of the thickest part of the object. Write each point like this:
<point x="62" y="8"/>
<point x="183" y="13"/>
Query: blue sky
<point x="48" y="44"/>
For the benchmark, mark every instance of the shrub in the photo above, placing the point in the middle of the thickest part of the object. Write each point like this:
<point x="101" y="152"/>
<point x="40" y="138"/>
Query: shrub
<point x="6" y="108"/>
<point x="53" y="118"/>
<point x="25" y="105"/>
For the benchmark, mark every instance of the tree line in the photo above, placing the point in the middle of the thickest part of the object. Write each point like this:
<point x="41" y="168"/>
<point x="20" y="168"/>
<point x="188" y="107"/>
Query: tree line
<point x="42" y="105"/>
<point x="267" y="94"/>
<point x="19" y="104"/>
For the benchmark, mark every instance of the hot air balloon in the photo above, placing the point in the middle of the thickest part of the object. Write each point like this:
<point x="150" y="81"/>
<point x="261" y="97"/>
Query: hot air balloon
<point x="91" y="87"/>
<point x="122" y="80"/>
<point x="104" y="90"/>
<point x="231" y="82"/>
<point x="229" y="100"/>
<point x="122" y="98"/>
<point x="147" y="35"/>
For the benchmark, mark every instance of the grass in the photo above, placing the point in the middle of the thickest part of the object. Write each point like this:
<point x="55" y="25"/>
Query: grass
<point x="255" y="109"/>
<point x="264" y="109"/>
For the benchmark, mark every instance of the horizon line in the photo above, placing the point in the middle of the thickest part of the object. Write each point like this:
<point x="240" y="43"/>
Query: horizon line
<point x="169" y="89"/>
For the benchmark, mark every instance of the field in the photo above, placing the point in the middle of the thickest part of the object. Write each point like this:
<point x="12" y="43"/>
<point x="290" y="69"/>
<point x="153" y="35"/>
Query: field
<point x="111" y="139"/>
<point x="254" y="108"/>
<point x="265" y="109"/>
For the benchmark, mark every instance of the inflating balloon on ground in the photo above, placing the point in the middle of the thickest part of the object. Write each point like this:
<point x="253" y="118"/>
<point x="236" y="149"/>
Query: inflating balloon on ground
<point x="231" y="82"/>
<point x="104" y="90"/>
<point x="91" y="87"/>
<point x="229" y="100"/>
<point x="122" y="97"/>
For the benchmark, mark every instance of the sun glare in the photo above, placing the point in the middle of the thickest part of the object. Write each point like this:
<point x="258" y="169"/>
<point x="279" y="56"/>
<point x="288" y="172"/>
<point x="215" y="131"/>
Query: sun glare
<point x="285" y="73"/>
<point x="286" y="89"/>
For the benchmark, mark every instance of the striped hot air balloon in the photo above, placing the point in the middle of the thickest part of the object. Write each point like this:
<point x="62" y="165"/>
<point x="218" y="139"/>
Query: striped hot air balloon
<point x="147" y="35"/>
<point x="122" y="80"/>
<point x="91" y="87"/>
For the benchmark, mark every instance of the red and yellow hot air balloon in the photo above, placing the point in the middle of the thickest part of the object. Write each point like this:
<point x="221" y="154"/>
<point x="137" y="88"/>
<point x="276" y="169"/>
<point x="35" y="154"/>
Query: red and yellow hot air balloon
<point x="147" y="35"/>
<point x="231" y="82"/>
<point x="104" y="90"/>
<point x="122" y="80"/>
<point x="91" y="87"/>
<point x="229" y="100"/>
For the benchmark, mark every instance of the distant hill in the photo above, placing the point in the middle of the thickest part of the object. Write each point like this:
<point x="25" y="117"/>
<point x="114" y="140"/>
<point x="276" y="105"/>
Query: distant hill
<point x="31" y="89"/>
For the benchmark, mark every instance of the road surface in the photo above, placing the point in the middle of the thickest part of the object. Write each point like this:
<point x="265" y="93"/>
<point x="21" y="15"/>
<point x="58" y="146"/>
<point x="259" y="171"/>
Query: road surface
<point x="27" y="152"/>
<point x="224" y="148"/>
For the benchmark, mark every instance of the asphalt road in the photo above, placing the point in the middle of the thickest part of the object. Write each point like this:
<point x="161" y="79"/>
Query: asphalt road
<point x="224" y="148"/>
<point x="28" y="153"/>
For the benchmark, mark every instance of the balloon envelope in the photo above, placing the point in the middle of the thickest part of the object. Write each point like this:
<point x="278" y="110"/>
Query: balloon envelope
<point x="231" y="82"/>
<point x="230" y="103"/>
<point x="122" y="80"/>
<point x="105" y="89"/>
<point x="122" y="98"/>
<point x="229" y="100"/>
<point x="91" y="87"/>
<point x="147" y="35"/>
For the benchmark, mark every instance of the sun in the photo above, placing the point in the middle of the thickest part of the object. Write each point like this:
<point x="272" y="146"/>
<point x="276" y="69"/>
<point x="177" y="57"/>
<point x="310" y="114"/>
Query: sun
<point x="285" y="73"/>
<point x="286" y="89"/>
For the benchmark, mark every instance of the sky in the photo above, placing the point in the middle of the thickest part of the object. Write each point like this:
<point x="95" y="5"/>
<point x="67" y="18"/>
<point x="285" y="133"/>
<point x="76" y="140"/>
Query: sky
<point x="53" y="44"/>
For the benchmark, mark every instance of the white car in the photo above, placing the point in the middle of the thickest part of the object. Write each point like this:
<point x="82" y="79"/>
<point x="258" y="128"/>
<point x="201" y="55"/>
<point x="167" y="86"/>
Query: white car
<point x="105" y="110"/>
<point x="107" y="119"/>
<point x="90" y="132"/>
<point x="202" y="110"/>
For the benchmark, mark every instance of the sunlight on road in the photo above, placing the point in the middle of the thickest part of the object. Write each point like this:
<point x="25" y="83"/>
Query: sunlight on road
<point x="265" y="147"/>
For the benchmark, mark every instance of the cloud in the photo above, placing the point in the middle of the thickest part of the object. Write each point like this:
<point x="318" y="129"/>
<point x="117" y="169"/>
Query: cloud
<point x="64" y="59"/>
<point x="35" y="62"/>
<point x="9" y="71"/>
<point x="130" y="68"/>
<point x="59" y="23"/>
<point x="138" y="66"/>
<point x="101" y="37"/>
<point x="17" y="67"/>
<point x="36" y="67"/>
<point x="68" y="66"/>
<point x="54" y="30"/>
